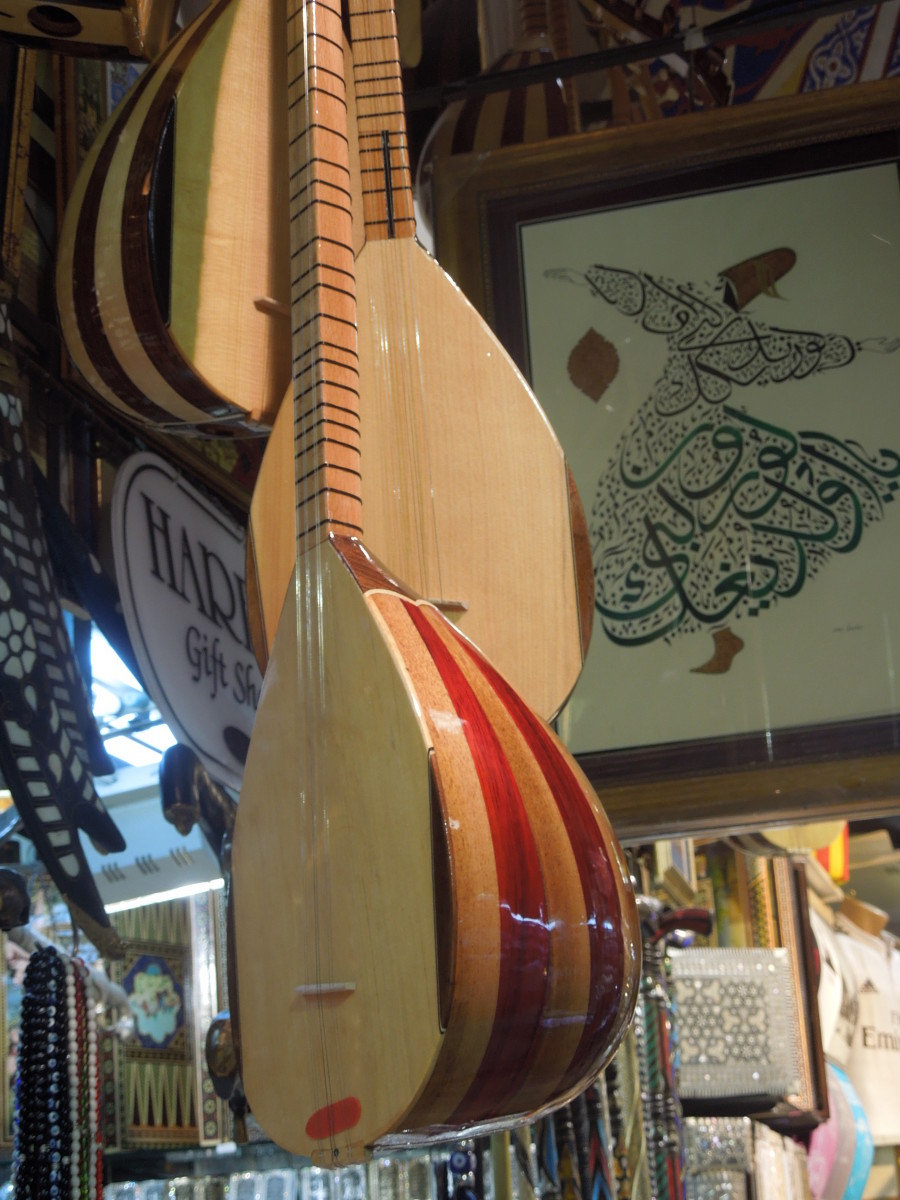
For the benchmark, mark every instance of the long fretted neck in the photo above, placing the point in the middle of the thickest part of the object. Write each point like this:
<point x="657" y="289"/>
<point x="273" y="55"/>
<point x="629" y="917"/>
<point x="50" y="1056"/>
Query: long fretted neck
<point x="380" y="121"/>
<point x="323" y="297"/>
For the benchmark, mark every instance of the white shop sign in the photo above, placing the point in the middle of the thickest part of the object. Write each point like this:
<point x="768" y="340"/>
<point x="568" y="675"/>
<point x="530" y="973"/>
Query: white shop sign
<point x="181" y="574"/>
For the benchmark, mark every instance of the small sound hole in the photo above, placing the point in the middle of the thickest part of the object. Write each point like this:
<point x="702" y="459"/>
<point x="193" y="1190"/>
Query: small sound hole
<point x="53" y="21"/>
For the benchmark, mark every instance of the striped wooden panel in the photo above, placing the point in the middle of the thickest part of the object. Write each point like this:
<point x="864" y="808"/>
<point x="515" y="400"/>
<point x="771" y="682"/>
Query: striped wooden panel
<point x="552" y="1030"/>
<point x="196" y="351"/>
<point x="481" y="124"/>
<point x="523" y="114"/>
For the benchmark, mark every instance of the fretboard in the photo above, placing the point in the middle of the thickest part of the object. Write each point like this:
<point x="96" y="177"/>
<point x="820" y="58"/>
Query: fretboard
<point x="381" y="121"/>
<point x="323" y="295"/>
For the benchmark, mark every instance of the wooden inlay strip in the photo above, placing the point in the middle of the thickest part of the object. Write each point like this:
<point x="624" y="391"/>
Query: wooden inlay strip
<point x="136" y="251"/>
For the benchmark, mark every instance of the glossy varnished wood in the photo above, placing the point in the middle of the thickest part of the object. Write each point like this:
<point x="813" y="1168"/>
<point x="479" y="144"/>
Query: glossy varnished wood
<point x="453" y="941"/>
<point x="477" y="443"/>
<point x="561" y="974"/>
<point x="541" y="988"/>
<point x="215" y="359"/>
<point x="319" y="819"/>
<point x="472" y="506"/>
<point x="387" y="195"/>
<point x="324" y="351"/>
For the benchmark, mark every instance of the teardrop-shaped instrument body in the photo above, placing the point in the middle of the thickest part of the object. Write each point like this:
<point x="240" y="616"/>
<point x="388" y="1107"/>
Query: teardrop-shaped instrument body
<point x="474" y="508"/>
<point x="411" y="969"/>
<point x="434" y="928"/>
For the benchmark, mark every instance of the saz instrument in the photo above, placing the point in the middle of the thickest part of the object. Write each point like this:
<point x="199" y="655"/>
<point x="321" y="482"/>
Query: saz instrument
<point x="476" y="510"/>
<point x="173" y="295"/>
<point x="433" y="926"/>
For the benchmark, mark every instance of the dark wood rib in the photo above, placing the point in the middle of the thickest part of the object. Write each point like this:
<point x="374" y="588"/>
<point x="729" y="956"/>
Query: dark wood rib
<point x="368" y="570"/>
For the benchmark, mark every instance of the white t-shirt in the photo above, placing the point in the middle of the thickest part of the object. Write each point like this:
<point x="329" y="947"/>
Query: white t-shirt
<point x="874" y="1062"/>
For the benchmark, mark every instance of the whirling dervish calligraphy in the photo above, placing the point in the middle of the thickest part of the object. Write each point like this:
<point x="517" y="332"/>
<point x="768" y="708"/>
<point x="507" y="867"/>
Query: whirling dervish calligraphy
<point x="706" y="512"/>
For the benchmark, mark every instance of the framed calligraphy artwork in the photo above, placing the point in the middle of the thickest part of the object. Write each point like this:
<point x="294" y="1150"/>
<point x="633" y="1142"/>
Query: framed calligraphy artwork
<point x="708" y="309"/>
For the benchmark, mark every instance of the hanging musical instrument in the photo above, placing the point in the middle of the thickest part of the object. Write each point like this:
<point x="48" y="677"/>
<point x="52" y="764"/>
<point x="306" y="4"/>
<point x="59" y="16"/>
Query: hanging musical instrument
<point x="434" y="929"/>
<point x="168" y="254"/>
<point x="173" y="298"/>
<point x="478" y="512"/>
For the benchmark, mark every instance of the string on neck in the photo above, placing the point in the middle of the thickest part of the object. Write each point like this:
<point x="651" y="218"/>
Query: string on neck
<point x="326" y="426"/>
<point x="394" y="325"/>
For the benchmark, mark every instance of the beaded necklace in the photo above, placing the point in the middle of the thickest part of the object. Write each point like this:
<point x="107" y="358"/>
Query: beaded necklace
<point x="57" y="1152"/>
<point x="42" y="1121"/>
<point x="90" y="1146"/>
<point x="74" y="1080"/>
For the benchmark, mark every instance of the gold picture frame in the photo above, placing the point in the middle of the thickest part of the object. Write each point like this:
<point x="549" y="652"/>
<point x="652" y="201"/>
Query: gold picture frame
<point x="714" y="780"/>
